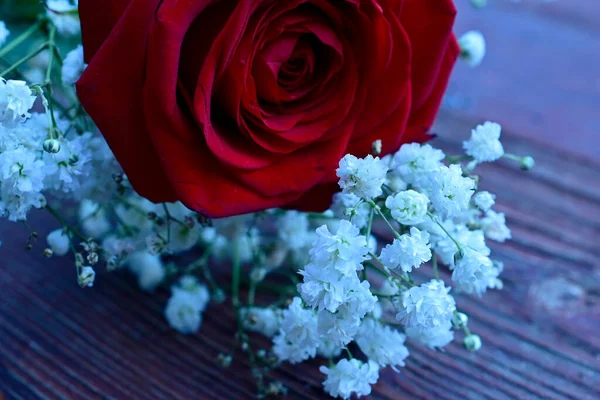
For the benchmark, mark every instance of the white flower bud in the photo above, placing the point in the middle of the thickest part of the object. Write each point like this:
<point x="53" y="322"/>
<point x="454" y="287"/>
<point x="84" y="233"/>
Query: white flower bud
<point x="527" y="163"/>
<point x="86" y="277"/>
<point x="472" y="342"/>
<point x="472" y="48"/>
<point x="51" y="146"/>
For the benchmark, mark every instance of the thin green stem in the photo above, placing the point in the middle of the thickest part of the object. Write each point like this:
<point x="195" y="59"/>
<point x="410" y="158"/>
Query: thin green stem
<point x="23" y="60"/>
<point x="382" y="215"/>
<point x="22" y="37"/>
<point x="65" y="224"/>
<point x="51" y="37"/>
<point x="235" y="281"/>
<point x="435" y="219"/>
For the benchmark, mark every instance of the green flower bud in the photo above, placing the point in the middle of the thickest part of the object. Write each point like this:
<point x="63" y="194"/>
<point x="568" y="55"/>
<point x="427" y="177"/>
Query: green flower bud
<point x="527" y="163"/>
<point x="472" y="342"/>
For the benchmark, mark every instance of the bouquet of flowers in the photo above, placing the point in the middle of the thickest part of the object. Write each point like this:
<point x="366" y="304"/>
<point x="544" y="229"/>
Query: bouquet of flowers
<point x="283" y="140"/>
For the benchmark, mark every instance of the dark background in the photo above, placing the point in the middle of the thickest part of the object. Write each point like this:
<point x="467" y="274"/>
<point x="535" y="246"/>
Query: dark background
<point x="541" y="81"/>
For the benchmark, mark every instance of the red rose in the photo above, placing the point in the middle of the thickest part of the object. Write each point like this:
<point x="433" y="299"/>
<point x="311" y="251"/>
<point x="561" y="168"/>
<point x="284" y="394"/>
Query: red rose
<point x="238" y="106"/>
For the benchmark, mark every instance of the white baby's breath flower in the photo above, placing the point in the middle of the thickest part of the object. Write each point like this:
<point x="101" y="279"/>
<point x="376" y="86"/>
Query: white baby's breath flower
<point x="472" y="47"/>
<point x="183" y="313"/>
<point x="298" y="338"/>
<point x="16" y="99"/>
<point x="3" y="33"/>
<point x="494" y="226"/>
<point x="266" y="321"/>
<point x="59" y="242"/>
<point x="426" y="306"/>
<point x="449" y="191"/>
<point x="64" y="16"/>
<point x="408" y="207"/>
<point x="350" y="377"/>
<point x="445" y="246"/>
<point x="484" y="144"/>
<point x="73" y="66"/>
<point x="328" y="349"/>
<point x="191" y="285"/>
<point x="408" y="251"/>
<point x="344" y="207"/>
<point x="86" y="277"/>
<point x="382" y="344"/>
<point x="293" y="230"/>
<point x="484" y="200"/>
<point x="414" y="161"/>
<point x="325" y="288"/>
<point x="474" y="273"/>
<point x="362" y="176"/>
<point x="148" y="268"/>
<point x="432" y="337"/>
<point x="344" y="251"/>
<point x="93" y="219"/>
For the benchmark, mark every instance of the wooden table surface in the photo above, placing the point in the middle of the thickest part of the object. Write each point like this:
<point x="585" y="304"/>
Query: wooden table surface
<point x="541" y="334"/>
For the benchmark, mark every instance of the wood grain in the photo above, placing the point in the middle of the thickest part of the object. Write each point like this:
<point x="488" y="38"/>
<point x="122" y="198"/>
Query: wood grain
<point x="541" y="81"/>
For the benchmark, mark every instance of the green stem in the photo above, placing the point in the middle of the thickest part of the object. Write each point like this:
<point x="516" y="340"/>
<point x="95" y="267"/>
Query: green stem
<point x="235" y="281"/>
<point x="435" y="219"/>
<point x="434" y="261"/>
<point x="22" y="37"/>
<point x="65" y="224"/>
<point x="23" y="60"/>
<point x="51" y="37"/>
<point x="382" y="215"/>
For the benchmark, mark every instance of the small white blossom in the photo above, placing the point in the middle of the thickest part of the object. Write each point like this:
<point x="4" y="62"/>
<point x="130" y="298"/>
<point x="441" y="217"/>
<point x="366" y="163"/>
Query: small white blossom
<point x="148" y="268"/>
<point x="86" y="277"/>
<point x="408" y="251"/>
<point x="340" y="327"/>
<point x="472" y="47"/>
<point x="328" y="349"/>
<point x="3" y="33"/>
<point x="265" y="321"/>
<point x="183" y="313"/>
<point x="449" y="191"/>
<point x="427" y="305"/>
<point x="191" y="285"/>
<point x="59" y="242"/>
<point x="474" y="273"/>
<point x="344" y="251"/>
<point x="294" y="230"/>
<point x="362" y="176"/>
<point x="446" y="248"/>
<point x="16" y="99"/>
<point x="344" y="207"/>
<point x="408" y="207"/>
<point x="325" y="288"/>
<point x="64" y="16"/>
<point x="432" y="337"/>
<point x="93" y="219"/>
<point x="350" y="377"/>
<point x="494" y="226"/>
<point x="414" y="161"/>
<point x="484" y="200"/>
<point x="484" y="144"/>
<point x="73" y="66"/>
<point x="382" y="344"/>
<point x="298" y="338"/>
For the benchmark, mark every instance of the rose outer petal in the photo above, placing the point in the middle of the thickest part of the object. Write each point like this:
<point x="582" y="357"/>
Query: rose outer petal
<point x="110" y="91"/>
